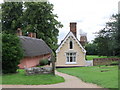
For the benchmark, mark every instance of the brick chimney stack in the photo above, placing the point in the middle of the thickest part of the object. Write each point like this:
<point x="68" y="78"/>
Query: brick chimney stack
<point x="83" y="39"/>
<point x="32" y="35"/>
<point x="19" y="32"/>
<point x="73" y="28"/>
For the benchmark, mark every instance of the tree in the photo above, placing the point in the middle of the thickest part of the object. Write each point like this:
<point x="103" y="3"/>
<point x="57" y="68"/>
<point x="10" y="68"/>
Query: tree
<point x="36" y="17"/>
<point x="11" y="53"/>
<point x="39" y="18"/>
<point x="118" y="36"/>
<point x="91" y="49"/>
<point x="0" y="45"/>
<point x="11" y="16"/>
<point x="107" y="40"/>
<point x="102" y="45"/>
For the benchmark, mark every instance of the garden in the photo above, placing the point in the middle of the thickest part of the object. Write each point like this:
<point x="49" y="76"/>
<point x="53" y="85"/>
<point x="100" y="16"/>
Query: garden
<point x="21" y="79"/>
<point x="104" y="76"/>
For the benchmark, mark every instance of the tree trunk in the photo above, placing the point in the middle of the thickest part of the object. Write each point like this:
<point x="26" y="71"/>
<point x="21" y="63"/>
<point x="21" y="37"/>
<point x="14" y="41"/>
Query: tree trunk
<point x="53" y="64"/>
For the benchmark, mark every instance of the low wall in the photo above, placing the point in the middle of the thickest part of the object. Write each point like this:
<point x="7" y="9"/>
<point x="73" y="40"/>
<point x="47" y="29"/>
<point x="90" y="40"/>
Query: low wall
<point x="104" y="61"/>
<point x="38" y="70"/>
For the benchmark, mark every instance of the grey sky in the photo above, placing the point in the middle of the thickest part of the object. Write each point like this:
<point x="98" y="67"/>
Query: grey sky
<point x="90" y="15"/>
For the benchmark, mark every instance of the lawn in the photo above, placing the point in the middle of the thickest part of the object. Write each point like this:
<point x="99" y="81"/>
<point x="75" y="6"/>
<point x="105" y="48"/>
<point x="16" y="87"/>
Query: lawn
<point x="90" y="57"/>
<point x="104" y="76"/>
<point x="21" y="79"/>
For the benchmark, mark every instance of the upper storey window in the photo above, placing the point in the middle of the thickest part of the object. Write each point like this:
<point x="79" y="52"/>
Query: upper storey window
<point x="71" y="45"/>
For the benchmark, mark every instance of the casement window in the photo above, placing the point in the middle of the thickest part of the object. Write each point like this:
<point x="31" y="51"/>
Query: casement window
<point x="71" y="58"/>
<point x="71" y="45"/>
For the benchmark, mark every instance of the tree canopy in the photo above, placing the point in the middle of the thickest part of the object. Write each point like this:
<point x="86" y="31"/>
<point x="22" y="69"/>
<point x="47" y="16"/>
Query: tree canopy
<point x="39" y="18"/>
<point x="34" y="17"/>
<point x="11" y="15"/>
<point x="108" y="39"/>
<point x="12" y="53"/>
<point x="91" y="49"/>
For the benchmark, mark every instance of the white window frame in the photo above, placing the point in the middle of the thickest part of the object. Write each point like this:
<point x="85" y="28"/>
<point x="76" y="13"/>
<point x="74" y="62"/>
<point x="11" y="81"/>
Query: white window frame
<point x="73" y="56"/>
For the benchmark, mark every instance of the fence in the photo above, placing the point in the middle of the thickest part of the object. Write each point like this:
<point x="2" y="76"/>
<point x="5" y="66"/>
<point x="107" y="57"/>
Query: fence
<point x="104" y="61"/>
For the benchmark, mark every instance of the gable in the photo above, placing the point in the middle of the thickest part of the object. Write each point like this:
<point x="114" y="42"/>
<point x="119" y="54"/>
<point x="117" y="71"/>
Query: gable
<point x="70" y="34"/>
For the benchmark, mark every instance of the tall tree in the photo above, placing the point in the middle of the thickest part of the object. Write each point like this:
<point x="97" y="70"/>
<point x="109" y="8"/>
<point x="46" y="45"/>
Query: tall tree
<point x="39" y="18"/>
<point x="102" y="45"/>
<point x="107" y="39"/>
<point x="91" y="49"/>
<point x="118" y="36"/>
<point x="34" y="17"/>
<point x="11" y="13"/>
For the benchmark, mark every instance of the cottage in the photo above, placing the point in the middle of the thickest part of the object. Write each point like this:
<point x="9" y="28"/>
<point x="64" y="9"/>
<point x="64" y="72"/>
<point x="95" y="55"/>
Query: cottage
<point x="34" y="51"/>
<point x="70" y="52"/>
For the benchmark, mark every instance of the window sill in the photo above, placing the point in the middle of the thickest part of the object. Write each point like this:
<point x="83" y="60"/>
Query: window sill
<point x="70" y="63"/>
<point x="71" y="49"/>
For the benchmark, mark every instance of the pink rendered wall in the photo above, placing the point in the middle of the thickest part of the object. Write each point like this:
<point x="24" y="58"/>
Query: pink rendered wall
<point x="31" y="61"/>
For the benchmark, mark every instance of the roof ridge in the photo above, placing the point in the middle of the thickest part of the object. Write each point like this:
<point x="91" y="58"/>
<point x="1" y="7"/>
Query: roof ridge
<point x="30" y="37"/>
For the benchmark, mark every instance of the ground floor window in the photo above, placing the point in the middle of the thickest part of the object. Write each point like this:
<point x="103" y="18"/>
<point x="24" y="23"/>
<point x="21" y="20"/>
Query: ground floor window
<point x="71" y="57"/>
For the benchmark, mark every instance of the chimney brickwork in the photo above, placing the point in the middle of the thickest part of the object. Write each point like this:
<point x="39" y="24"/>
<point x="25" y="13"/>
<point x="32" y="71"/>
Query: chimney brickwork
<point x="29" y="34"/>
<point x="19" y="32"/>
<point x="83" y="40"/>
<point x="32" y="35"/>
<point x="73" y="28"/>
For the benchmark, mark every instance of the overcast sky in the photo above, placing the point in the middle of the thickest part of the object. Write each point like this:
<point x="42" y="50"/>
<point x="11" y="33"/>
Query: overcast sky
<point x="90" y="15"/>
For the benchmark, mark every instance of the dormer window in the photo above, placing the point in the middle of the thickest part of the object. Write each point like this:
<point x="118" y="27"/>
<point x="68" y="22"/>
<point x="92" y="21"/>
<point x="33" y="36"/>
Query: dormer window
<point x="71" y="45"/>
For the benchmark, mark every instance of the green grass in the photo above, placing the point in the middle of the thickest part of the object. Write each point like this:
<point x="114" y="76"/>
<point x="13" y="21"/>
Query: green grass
<point x="93" y="74"/>
<point x="90" y="57"/>
<point x="22" y="79"/>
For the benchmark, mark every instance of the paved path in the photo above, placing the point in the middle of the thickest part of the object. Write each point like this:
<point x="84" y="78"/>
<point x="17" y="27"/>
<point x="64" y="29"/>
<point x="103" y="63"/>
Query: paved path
<point x="70" y="82"/>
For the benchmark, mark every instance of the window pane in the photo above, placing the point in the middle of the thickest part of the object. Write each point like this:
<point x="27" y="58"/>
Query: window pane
<point x="71" y="60"/>
<point x="67" y="54"/>
<point x="71" y="45"/>
<point x="67" y="59"/>
<point x="74" y="59"/>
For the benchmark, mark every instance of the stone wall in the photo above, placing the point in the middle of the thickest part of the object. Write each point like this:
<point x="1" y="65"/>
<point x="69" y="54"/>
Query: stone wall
<point x="38" y="70"/>
<point x="104" y="61"/>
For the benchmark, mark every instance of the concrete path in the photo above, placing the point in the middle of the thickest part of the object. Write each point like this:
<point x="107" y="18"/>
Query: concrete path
<point x="70" y="82"/>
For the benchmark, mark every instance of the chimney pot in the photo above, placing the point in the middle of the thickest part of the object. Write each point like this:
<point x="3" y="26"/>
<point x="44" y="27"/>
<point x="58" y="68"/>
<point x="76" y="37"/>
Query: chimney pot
<point x="19" y="32"/>
<point x="32" y="35"/>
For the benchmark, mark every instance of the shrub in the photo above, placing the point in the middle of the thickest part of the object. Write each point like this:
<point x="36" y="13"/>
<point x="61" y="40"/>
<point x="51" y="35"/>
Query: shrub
<point x="43" y="62"/>
<point x="11" y="53"/>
